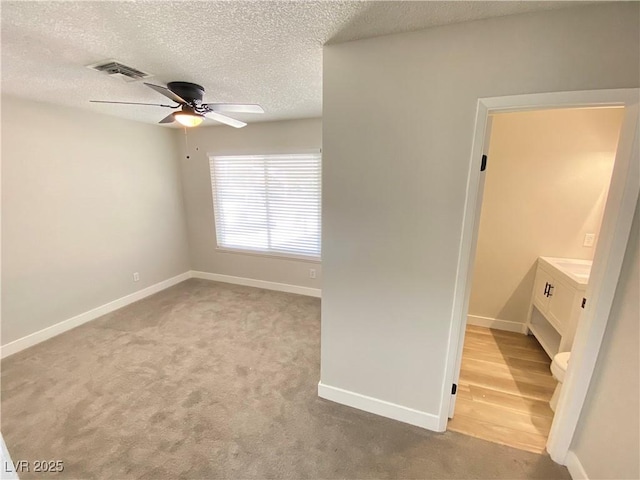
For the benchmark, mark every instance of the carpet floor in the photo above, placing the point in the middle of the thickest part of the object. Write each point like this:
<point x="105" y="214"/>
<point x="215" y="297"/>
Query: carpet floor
<point x="207" y="380"/>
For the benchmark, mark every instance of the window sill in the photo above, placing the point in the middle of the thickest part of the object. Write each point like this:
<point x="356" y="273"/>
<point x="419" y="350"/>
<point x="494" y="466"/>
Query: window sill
<point x="280" y="256"/>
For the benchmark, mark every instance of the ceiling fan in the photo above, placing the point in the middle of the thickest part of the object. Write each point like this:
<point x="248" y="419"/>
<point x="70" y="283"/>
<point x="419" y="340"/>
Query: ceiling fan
<point x="192" y="113"/>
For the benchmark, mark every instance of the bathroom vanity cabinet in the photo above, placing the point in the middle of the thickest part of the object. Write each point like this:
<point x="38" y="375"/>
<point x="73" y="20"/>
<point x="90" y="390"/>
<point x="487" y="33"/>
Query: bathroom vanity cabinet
<point x="557" y="302"/>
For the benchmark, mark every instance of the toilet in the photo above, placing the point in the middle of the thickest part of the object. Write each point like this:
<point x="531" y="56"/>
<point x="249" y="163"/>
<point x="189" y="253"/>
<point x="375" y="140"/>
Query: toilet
<point x="558" y="369"/>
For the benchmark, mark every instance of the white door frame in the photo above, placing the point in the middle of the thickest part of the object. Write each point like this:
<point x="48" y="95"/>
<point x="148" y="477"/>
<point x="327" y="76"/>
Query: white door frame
<point x="607" y="262"/>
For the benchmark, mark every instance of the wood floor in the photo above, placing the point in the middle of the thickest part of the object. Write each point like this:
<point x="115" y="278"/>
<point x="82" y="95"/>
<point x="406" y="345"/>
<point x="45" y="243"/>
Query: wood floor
<point x="504" y="390"/>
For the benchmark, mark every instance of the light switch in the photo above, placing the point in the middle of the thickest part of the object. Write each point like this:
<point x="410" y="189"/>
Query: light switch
<point x="589" y="239"/>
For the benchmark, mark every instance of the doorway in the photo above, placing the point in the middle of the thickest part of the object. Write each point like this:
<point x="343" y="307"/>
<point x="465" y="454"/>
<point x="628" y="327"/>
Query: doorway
<point x="614" y="234"/>
<point x="546" y="184"/>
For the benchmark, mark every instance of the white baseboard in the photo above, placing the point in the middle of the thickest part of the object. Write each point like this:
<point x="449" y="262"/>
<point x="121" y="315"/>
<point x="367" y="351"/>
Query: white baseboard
<point x="497" y="324"/>
<point x="576" y="470"/>
<point x="61" y="327"/>
<point x="8" y="470"/>
<point x="250" y="282"/>
<point x="379" y="407"/>
<point x="65" y="325"/>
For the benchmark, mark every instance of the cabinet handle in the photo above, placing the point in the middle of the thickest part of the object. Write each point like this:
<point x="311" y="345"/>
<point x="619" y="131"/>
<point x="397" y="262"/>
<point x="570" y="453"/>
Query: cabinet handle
<point x="550" y="292"/>
<point x="546" y="287"/>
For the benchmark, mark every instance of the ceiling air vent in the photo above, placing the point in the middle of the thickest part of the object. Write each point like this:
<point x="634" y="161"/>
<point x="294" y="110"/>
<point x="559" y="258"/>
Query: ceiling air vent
<point x="117" y="69"/>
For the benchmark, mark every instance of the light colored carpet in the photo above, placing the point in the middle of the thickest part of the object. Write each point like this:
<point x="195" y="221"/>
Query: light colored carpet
<point x="207" y="380"/>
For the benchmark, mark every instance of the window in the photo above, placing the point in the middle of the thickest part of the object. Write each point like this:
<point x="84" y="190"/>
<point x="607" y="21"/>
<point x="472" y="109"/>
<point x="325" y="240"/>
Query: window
<point x="268" y="203"/>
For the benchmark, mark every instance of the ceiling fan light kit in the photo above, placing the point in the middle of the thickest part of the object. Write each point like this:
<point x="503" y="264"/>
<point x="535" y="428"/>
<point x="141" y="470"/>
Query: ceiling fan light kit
<point x="188" y="117"/>
<point x="188" y="97"/>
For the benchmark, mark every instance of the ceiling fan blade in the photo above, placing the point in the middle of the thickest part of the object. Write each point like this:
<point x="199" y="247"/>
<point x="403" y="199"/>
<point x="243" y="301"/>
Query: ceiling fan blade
<point x="234" y="107"/>
<point x="166" y="92"/>
<point x="232" y="122"/>
<point x="168" y="119"/>
<point x="135" y="103"/>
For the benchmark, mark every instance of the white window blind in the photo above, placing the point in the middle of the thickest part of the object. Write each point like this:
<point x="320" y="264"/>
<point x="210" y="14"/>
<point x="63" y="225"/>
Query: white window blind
<point x="268" y="203"/>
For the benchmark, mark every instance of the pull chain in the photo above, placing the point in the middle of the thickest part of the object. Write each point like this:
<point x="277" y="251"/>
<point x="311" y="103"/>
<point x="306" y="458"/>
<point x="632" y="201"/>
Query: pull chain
<point x="186" y="142"/>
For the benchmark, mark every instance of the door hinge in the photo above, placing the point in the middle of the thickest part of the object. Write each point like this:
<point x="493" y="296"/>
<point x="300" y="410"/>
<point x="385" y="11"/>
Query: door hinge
<point x="483" y="165"/>
<point x="454" y="389"/>
<point x="584" y="302"/>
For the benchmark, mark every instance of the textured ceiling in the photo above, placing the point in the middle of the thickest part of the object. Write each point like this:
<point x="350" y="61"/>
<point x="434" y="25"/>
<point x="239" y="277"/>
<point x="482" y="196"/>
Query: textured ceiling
<point x="243" y="52"/>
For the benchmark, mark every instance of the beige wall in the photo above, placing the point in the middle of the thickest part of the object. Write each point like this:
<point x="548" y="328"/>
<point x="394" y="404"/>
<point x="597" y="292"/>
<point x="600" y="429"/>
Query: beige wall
<point x="546" y="185"/>
<point x="398" y="121"/>
<point x="256" y="138"/>
<point x="86" y="201"/>
<point x="607" y="441"/>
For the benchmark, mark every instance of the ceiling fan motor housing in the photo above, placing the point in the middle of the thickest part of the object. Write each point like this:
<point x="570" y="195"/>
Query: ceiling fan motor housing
<point x="189" y="91"/>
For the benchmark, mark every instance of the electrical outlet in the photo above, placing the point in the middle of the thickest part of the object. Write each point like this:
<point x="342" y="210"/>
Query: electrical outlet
<point x="589" y="239"/>
<point x="136" y="276"/>
<point x="312" y="273"/>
